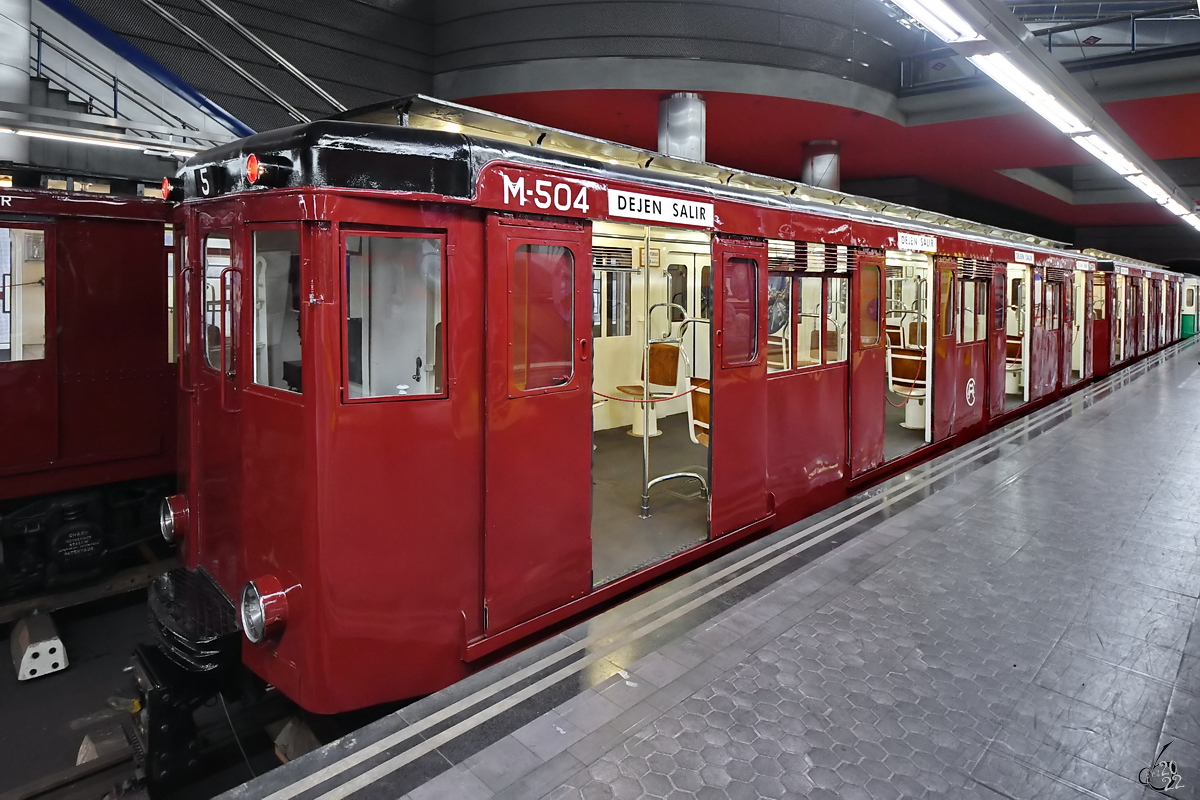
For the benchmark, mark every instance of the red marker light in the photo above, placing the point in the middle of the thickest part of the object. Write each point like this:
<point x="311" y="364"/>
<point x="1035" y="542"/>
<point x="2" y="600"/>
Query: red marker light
<point x="166" y="188"/>
<point x="254" y="169"/>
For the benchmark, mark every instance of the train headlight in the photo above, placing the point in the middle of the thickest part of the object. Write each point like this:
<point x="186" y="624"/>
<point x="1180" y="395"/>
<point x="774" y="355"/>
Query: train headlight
<point x="264" y="608"/>
<point x="173" y="517"/>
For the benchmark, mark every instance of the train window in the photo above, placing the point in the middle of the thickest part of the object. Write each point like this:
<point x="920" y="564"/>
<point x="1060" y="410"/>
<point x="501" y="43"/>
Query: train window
<point x="869" y="306"/>
<point x="837" y="324"/>
<point x="780" y="324"/>
<point x="543" y="316"/>
<point x="22" y="294"/>
<point x="1191" y="298"/>
<point x="999" y="309"/>
<point x="277" y="309"/>
<point x="1053" y="306"/>
<point x="169" y="241"/>
<point x="1099" y="289"/>
<point x="219" y="315"/>
<point x="677" y="291"/>
<point x="810" y="328"/>
<point x="619" y="304"/>
<point x="183" y="302"/>
<point x="972" y="311"/>
<point x="393" y="316"/>
<point x="740" y="300"/>
<point x="946" y="302"/>
<point x="706" y="292"/>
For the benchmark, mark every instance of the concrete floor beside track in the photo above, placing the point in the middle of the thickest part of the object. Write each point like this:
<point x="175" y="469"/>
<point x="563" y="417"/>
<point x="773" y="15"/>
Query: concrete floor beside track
<point x="1014" y="619"/>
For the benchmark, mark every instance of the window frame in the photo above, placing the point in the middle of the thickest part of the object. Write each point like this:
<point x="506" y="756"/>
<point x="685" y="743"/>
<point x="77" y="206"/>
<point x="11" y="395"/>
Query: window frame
<point x="513" y="245"/>
<point x="229" y="335"/>
<point x="343" y="232"/>
<point x="756" y="310"/>
<point x="252" y="385"/>
<point x="49" y="289"/>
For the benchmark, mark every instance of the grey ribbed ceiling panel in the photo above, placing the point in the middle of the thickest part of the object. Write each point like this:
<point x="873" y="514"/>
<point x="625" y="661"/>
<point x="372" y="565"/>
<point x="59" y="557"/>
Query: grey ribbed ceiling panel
<point x="362" y="51"/>
<point x="833" y="37"/>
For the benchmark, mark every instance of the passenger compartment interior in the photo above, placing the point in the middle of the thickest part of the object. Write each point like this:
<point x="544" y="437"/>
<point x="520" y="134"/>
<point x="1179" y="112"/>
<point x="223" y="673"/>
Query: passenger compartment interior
<point x="651" y="334"/>
<point x="909" y="344"/>
<point x="1016" y="359"/>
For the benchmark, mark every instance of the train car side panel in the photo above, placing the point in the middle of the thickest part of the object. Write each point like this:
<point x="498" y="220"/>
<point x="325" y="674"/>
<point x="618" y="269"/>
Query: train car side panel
<point x="806" y="445"/>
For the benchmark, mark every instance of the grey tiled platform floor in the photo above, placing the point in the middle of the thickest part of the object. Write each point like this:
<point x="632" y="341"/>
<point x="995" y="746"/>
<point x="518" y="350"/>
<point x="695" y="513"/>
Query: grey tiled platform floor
<point x="1028" y="631"/>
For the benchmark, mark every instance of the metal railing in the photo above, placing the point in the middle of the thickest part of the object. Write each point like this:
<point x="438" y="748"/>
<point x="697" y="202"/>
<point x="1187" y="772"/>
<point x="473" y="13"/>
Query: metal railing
<point x="157" y="123"/>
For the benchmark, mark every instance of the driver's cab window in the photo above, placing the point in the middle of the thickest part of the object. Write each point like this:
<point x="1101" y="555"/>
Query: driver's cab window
<point x="277" y="301"/>
<point x="22" y="294"/>
<point x="394" y="339"/>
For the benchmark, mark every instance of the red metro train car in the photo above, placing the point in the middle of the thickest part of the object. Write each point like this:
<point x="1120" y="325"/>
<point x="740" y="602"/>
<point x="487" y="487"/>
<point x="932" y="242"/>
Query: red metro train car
<point x="87" y="393"/>
<point x="449" y="378"/>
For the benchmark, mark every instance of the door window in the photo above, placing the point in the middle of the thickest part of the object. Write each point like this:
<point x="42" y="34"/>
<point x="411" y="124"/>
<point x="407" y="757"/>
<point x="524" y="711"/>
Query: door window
<point x="277" y="309"/>
<point x="741" y="311"/>
<point x="542" y="293"/>
<point x="972" y="311"/>
<point x="393" y="316"/>
<point x="22" y="294"/>
<point x="869" y="306"/>
<point x="946" y="302"/>
<point x="219" y="316"/>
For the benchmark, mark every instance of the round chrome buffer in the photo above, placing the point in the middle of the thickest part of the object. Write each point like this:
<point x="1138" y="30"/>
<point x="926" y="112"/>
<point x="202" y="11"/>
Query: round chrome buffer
<point x="172" y="517"/>
<point x="264" y="608"/>
<point x="254" y="613"/>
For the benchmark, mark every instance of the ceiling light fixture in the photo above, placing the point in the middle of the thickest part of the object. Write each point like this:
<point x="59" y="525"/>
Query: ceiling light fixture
<point x="1150" y="188"/>
<point x="60" y="137"/>
<point x="939" y="19"/>
<point x="1107" y="154"/>
<point x="1193" y="220"/>
<point x="1004" y="72"/>
<point x="1176" y="208"/>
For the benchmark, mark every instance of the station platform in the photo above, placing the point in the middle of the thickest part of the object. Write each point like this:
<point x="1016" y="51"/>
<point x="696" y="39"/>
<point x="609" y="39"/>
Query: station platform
<point x="1015" y="619"/>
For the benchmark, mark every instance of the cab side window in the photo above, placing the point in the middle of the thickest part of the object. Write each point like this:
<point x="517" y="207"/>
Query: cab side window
<point x="22" y="294"/>
<point x="394" y="341"/>
<point x="277" y="300"/>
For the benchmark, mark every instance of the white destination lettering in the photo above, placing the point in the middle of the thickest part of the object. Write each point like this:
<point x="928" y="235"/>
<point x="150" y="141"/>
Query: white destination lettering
<point x="917" y="242"/>
<point x="6" y="201"/>
<point x="544" y="195"/>
<point x="633" y="205"/>
<point x="1022" y="257"/>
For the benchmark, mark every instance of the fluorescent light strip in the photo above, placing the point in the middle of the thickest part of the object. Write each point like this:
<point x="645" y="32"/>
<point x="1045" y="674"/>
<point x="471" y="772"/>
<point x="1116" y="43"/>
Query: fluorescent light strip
<point x="1107" y="154"/>
<point x="59" y="137"/>
<point x="939" y="19"/>
<point x="1193" y="220"/>
<point x="1004" y="72"/>
<point x="62" y="137"/>
<point x="1149" y="188"/>
<point x="1176" y="208"/>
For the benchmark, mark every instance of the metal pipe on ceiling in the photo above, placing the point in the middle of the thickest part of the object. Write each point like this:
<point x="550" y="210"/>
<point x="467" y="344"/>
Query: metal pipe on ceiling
<point x="272" y="54"/>
<point x="213" y="51"/>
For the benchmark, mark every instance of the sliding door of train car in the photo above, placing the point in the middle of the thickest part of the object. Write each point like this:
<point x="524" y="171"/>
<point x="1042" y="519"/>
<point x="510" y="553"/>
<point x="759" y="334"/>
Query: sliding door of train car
<point x="28" y="352"/>
<point x="1079" y="328"/>
<point x="1100" y="318"/>
<point x="998" y="342"/>
<point x="538" y="418"/>
<point x="216" y="253"/>
<point x="945" y="366"/>
<point x="739" y="388"/>
<point x="971" y="366"/>
<point x="869" y="368"/>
